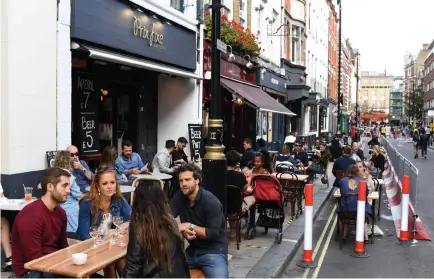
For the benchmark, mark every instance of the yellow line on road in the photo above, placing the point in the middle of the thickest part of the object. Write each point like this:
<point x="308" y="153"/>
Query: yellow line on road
<point x="321" y="238"/>
<point x="324" y="251"/>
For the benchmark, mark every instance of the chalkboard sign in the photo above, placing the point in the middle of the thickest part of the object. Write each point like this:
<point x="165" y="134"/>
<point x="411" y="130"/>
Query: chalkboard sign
<point x="50" y="158"/>
<point x="196" y="141"/>
<point x="89" y="99"/>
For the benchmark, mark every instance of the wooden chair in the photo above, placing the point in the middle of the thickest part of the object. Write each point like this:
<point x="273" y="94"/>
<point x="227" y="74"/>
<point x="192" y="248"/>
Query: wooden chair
<point x="235" y="210"/>
<point x="339" y="175"/>
<point x="198" y="273"/>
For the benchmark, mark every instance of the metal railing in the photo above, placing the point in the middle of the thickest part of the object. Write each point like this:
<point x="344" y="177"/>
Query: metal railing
<point x="403" y="167"/>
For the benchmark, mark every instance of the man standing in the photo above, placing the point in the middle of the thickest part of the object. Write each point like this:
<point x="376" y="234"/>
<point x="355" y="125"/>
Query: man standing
<point x="203" y="224"/>
<point x="40" y="228"/>
<point x="129" y="163"/>
<point x="178" y="155"/>
<point x="83" y="175"/>
<point x="162" y="161"/>
<point x="249" y="154"/>
<point x="290" y="139"/>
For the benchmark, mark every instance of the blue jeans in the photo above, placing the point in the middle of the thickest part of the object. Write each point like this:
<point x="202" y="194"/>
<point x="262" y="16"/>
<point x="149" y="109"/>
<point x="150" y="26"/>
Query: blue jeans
<point x="212" y="265"/>
<point x="424" y="150"/>
<point x="38" y="274"/>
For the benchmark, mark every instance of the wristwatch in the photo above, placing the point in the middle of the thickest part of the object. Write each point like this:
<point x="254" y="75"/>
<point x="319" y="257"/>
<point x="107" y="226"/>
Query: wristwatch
<point x="192" y="226"/>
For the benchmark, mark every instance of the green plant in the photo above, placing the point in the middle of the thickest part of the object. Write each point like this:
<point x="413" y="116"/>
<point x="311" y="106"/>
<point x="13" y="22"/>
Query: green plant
<point x="239" y="38"/>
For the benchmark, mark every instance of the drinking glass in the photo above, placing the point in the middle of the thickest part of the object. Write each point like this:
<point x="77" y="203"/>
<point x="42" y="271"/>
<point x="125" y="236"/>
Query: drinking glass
<point x="94" y="233"/>
<point x="28" y="193"/>
<point x="113" y="236"/>
<point x="117" y="220"/>
<point x="122" y="236"/>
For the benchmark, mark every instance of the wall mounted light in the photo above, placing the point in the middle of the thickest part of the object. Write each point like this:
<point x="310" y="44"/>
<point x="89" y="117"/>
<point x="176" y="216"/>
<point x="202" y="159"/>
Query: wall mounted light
<point x="231" y="57"/>
<point x="249" y="64"/>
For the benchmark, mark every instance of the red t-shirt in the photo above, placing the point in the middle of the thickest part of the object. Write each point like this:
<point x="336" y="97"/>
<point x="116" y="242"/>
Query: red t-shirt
<point x="37" y="231"/>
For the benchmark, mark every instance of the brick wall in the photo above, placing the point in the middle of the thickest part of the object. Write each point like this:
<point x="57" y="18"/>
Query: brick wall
<point x="249" y="14"/>
<point x="236" y="10"/>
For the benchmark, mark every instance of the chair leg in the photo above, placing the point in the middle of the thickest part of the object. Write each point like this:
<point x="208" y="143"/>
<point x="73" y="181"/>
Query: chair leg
<point x="238" y="233"/>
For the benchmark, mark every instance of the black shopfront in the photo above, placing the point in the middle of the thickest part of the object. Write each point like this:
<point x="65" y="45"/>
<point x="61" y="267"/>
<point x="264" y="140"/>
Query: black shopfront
<point x="118" y="52"/>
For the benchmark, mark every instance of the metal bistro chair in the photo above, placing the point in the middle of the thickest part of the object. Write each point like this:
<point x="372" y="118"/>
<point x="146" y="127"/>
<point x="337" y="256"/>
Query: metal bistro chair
<point x="141" y="180"/>
<point x="235" y="209"/>
<point x="346" y="217"/>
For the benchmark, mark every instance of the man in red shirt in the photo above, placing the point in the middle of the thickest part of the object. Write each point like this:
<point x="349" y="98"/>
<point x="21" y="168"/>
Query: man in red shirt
<point x="40" y="228"/>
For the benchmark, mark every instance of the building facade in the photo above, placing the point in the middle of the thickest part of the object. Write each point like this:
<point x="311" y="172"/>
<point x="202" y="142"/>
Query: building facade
<point x="332" y="82"/>
<point x="109" y="67"/>
<point x="375" y="91"/>
<point x="396" y="105"/>
<point x="428" y="81"/>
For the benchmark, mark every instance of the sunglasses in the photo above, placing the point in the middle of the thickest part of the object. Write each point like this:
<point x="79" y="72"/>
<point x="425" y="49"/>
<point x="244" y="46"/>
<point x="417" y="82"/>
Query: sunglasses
<point x="74" y="154"/>
<point x="297" y="145"/>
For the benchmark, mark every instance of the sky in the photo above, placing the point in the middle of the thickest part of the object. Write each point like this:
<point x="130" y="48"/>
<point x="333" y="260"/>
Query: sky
<point x="385" y="30"/>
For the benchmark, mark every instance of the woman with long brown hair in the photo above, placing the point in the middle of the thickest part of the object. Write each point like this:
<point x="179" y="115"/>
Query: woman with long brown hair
<point x="155" y="247"/>
<point x="100" y="205"/>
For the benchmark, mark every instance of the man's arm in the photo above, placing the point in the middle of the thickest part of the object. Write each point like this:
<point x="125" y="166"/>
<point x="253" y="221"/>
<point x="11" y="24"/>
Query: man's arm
<point x="305" y="159"/>
<point x="63" y="238"/>
<point x="140" y="162"/>
<point x="86" y="170"/>
<point x="30" y="229"/>
<point x="162" y="164"/>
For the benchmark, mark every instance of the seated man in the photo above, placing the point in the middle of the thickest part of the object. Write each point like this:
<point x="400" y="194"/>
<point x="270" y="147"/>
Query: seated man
<point x="343" y="163"/>
<point x="129" y="163"/>
<point x="300" y="154"/>
<point x="40" y="228"/>
<point x="203" y="224"/>
<point x="162" y="161"/>
<point x="81" y="172"/>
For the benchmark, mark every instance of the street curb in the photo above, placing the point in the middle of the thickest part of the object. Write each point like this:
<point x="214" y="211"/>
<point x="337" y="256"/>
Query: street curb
<point x="272" y="263"/>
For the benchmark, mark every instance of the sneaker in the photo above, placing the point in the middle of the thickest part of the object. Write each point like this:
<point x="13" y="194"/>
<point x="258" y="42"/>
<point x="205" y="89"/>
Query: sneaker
<point x="8" y="264"/>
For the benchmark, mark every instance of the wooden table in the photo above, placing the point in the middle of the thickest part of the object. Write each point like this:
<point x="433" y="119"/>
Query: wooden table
<point x="14" y="204"/>
<point x="60" y="262"/>
<point x="374" y="196"/>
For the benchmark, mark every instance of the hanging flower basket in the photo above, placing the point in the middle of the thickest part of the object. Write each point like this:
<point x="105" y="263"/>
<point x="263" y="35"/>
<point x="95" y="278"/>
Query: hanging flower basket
<point x="239" y="38"/>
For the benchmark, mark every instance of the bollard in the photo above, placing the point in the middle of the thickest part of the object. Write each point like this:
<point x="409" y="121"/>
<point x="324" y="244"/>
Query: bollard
<point x="308" y="224"/>
<point x="359" y="249"/>
<point x="403" y="234"/>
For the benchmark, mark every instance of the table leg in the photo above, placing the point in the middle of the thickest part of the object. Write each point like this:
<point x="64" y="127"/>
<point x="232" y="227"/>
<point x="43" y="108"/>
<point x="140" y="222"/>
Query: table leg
<point x="373" y="221"/>
<point x="379" y="201"/>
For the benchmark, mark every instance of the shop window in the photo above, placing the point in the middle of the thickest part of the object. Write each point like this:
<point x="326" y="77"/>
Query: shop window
<point x="313" y="119"/>
<point x="177" y="4"/>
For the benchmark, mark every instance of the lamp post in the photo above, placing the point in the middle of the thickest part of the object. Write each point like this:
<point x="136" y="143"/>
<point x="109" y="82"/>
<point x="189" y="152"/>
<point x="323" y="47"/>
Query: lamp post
<point x="214" y="163"/>
<point x="339" y="65"/>
<point x="357" y="96"/>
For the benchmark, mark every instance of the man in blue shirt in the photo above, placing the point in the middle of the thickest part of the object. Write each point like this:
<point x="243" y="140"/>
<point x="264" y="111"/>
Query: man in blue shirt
<point x="343" y="163"/>
<point x="300" y="154"/>
<point x="83" y="175"/>
<point x="129" y="163"/>
<point x="249" y="154"/>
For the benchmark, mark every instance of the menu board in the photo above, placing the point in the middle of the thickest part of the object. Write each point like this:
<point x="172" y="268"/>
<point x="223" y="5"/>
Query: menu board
<point x="50" y="157"/>
<point x="89" y="100"/>
<point x="196" y="141"/>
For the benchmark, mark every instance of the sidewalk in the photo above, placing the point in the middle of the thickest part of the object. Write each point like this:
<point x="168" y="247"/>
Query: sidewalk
<point x="260" y="256"/>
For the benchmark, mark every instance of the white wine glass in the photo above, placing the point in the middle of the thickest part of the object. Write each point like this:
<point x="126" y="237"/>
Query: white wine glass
<point x="94" y="233"/>
<point x="117" y="220"/>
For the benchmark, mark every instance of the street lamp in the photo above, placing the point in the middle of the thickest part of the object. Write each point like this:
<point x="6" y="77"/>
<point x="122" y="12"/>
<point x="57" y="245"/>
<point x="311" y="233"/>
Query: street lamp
<point x="214" y="162"/>
<point x="339" y="65"/>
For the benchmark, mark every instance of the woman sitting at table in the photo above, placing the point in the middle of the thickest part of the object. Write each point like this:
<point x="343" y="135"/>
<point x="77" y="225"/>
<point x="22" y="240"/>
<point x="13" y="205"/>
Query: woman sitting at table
<point x="364" y="173"/>
<point x="258" y="164"/>
<point x="102" y="202"/>
<point x="155" y="247"/>
<point x="350" y="185"/>
<point x="108" y="159"/>
<point x="378" y="160"/>
<point x="63" y="160"/>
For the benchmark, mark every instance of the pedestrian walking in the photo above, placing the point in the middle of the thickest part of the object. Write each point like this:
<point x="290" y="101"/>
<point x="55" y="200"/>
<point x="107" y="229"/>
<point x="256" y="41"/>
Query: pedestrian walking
<point x="424" y="141"/>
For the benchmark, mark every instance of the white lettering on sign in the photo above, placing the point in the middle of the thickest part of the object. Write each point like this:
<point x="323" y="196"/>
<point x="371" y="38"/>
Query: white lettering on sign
<point x="195" y="134"/>
<point x="87" y="124"/>
<point x="196" y="144"/>
<point x="85" y="84"/>
<point x="274" y="81"/>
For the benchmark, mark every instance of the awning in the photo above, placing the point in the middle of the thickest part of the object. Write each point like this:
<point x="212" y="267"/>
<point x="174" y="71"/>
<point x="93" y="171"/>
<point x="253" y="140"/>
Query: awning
<point x="256" y="97"/>
<point x="138" y="63"/>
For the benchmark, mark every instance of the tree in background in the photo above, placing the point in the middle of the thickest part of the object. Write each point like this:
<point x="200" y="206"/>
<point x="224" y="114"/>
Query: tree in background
<point x="413" y="103"/>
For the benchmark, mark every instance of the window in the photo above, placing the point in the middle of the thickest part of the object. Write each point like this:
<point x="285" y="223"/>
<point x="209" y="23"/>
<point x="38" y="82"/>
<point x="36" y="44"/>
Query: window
<point x="242" y="22"/>
<point x="177" y="4"/>
<point x="383" y="104"/>
<point x="313" y="115"/>
<point x="297" y="45"/>
<point x="365" y="94"/>
<point x="242" y="5"/>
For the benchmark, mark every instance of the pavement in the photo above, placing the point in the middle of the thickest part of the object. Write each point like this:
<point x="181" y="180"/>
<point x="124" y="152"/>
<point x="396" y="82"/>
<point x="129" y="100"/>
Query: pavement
<point x="386" y="258"/>
<point x="260" y="256"/>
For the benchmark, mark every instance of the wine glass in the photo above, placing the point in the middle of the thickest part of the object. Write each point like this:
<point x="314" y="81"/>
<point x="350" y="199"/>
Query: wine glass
<point x="94" y="233"/>
<point x="117" y="220"/>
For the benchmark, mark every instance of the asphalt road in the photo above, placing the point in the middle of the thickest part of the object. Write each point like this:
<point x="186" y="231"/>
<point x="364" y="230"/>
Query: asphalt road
<point x="386" y="258"/>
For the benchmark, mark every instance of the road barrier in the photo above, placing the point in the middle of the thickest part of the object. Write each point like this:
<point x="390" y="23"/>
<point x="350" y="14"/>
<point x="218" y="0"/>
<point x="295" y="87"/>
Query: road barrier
<point x="359" y="249"/>
<point x="307" y="261"/>
<point x="396" y="167"/>
<point x="403" y="234"/>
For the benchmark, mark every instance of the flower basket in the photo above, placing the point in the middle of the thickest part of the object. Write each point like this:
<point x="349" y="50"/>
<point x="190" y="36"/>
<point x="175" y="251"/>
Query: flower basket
<point x="239" y="38"/>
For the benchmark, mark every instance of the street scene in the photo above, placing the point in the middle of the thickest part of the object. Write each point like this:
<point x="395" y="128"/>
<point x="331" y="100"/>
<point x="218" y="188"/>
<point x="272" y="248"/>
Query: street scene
<point x="216" y="139"/>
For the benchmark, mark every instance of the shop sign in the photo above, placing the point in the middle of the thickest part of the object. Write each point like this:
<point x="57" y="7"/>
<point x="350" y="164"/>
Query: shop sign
<point x="89" y="100"/>
<point x="113" y="24"/>
<point x="196" y="141"/>
<point x="270" y="80"/>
